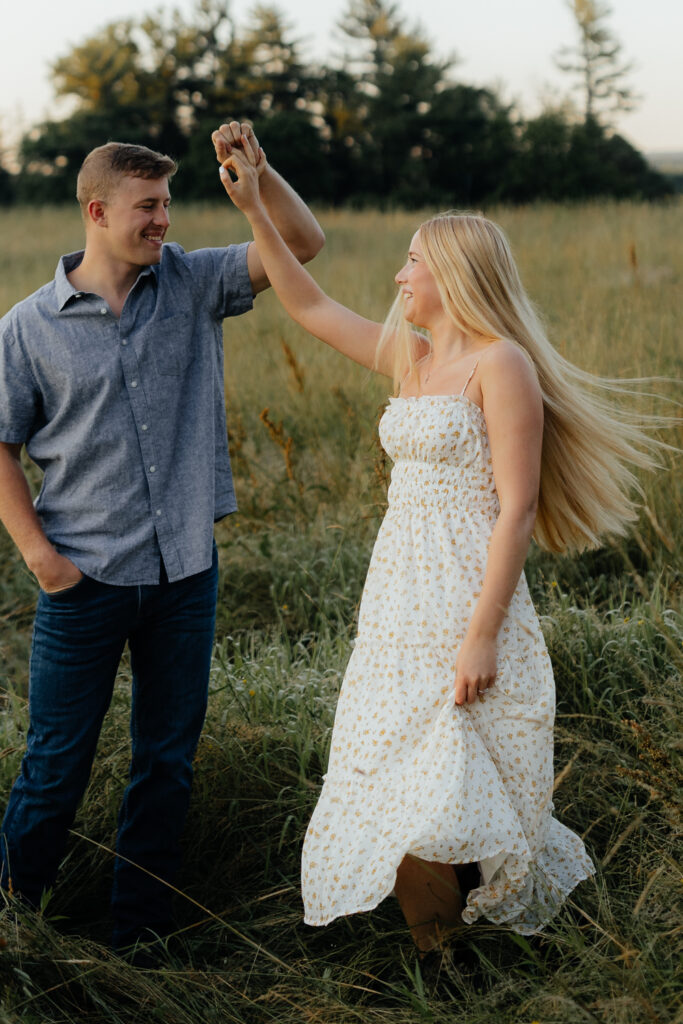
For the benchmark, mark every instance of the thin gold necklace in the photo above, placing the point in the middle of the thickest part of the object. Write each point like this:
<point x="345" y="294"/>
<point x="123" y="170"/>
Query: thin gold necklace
<point x="430" y="360"/>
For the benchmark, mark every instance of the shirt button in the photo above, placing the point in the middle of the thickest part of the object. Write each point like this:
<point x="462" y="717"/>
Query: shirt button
<point x="152" y="469"/>
<point x="144" y="427"/>
<point x="158" y="511"/>
<point x="103" y="311"/>
<point x="133" y="383"/>
<point x="124" y="341"/>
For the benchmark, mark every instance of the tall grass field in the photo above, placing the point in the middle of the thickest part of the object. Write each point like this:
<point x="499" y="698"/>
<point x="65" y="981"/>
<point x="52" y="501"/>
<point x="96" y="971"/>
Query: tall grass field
<point x="311" y="482"/>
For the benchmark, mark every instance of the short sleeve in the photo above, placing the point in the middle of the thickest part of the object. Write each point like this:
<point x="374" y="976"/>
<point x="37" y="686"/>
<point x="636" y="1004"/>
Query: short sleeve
<point x="225" y="275"/>
<point x="19" y="395"/>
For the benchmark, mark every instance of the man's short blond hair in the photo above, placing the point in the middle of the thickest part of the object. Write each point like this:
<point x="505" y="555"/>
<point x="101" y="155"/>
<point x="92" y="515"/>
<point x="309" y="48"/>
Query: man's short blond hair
<point x="103" y="168"/>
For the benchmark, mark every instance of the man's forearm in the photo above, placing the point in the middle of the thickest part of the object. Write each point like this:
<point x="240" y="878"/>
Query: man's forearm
<point x="17" y="512"/>
<point x="290" y="215"/>
<point x="53" y="571"/>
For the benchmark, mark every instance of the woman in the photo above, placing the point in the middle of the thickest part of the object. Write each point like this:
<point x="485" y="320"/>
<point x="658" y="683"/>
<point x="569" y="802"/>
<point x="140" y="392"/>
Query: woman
<point x="442" y="746"/>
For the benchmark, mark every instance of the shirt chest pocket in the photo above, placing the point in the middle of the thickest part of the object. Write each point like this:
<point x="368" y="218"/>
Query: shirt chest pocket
<point x="173" y="345"/>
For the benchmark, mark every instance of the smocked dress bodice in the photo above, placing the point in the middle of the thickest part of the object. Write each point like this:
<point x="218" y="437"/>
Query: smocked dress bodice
<point x="410" y="772"/>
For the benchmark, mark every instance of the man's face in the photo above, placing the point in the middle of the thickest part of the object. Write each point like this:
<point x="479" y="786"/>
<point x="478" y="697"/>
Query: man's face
<point x="136" y="219"/>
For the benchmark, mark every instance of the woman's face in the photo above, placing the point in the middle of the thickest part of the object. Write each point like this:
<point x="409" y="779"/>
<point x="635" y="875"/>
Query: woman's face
<point x="421" y="299"/>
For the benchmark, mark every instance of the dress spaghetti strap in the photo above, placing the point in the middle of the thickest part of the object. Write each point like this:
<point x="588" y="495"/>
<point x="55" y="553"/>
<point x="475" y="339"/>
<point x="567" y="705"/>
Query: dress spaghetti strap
<point x="462" y="393"/>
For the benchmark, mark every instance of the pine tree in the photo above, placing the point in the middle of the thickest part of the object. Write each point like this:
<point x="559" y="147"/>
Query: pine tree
<point x="596" y="60"/>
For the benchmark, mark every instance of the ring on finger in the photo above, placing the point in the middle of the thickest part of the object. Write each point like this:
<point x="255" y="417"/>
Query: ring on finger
<point x="481" y="691"/>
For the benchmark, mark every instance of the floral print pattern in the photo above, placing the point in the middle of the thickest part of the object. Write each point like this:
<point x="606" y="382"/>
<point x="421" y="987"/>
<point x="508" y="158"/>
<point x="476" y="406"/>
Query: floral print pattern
<point x="410" y="772"/>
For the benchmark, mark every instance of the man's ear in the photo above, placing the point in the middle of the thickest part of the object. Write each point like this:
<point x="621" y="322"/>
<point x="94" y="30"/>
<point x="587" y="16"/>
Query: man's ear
<point x="97" y="213"/>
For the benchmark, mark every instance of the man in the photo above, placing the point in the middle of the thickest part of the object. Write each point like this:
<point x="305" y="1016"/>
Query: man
<point x="112" y="376"/>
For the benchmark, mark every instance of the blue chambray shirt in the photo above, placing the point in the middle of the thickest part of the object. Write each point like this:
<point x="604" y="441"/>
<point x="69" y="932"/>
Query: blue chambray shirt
<point x="126" y="417"/>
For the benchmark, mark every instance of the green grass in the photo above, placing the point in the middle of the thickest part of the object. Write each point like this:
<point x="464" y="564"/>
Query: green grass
<point x="293" y="562"/>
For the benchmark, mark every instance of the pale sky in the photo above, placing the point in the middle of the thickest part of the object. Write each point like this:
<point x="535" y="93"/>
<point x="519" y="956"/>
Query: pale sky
<point x="501" y="42"/>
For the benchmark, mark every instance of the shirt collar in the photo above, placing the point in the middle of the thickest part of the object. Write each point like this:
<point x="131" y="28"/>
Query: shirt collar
<point x="63" y="286"/>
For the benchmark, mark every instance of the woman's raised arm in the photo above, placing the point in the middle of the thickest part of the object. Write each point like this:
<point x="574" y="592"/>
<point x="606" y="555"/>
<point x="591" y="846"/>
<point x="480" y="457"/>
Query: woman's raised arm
<point x="352" y="335"/>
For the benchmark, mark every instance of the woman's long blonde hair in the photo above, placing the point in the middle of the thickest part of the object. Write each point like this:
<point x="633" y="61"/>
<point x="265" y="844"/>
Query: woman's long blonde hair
<point x="591" y="446"/>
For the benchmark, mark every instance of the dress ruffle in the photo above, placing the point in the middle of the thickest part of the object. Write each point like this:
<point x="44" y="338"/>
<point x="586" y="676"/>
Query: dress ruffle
<point x="432" y="808"/>
<point x="411" y="773"/>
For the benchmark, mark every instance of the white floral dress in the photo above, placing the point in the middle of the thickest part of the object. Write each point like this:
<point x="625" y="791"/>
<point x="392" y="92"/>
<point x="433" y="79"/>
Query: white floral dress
<point x="410" y="772"/>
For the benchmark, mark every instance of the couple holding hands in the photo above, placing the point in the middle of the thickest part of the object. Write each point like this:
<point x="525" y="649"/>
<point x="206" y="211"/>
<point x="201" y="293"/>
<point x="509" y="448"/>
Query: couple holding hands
<point x="111" y="376"/>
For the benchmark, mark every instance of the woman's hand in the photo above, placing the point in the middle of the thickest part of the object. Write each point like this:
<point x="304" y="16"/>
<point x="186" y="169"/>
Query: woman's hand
<point x="243" y="188"/>
<point x="475" y="669"/>
<point x="238" y="136"/>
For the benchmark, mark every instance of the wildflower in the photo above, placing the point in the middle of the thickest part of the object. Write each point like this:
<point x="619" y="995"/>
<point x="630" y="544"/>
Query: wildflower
<point x="552" y="584"/>
<point x="627" y="619"/>
<point x="252" y="693"/>
<point x="285" y="607"/>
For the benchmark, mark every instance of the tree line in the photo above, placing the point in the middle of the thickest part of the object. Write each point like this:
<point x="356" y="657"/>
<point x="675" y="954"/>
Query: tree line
<point x="388" y="124"/>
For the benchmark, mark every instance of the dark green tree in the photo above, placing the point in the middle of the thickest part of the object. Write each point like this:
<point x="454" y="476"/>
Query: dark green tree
<point x="288" y="121"/>
<point x="277" y="77"/>
<point x="560" y="159"/>
<point x="542" y="168"/>
<point x="154" y="82"/>
<point x="604" y="164"/>
<point x="339" y="112"/>
<point x="387" y="127"/>
<point x="471" y="145"/>
<point x="396" y="85"/>
<point x="262" y="79"/>
<point x="7" y="187"/>
<point x="51" y="154"/>
<point x="7" y="180"/>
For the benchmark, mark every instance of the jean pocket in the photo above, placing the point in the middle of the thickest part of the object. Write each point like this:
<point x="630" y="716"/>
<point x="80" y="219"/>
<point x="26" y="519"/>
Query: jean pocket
<point x="59" y="595"/>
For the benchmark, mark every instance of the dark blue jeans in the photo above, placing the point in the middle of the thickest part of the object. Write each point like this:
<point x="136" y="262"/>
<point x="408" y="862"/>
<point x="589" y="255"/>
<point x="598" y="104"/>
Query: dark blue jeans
<point x="78" y="639"/>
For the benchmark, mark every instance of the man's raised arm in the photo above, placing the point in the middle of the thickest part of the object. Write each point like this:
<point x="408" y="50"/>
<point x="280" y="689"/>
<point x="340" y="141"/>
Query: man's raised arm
<point x="290" y="215"/>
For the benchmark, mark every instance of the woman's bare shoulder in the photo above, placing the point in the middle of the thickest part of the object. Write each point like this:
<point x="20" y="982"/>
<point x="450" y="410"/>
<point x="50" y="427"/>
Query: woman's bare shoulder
<point x="504" y="360"/>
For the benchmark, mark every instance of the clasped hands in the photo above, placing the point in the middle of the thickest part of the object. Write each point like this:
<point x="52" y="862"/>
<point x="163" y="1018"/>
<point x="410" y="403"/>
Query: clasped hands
<point x="242" y="161"/>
